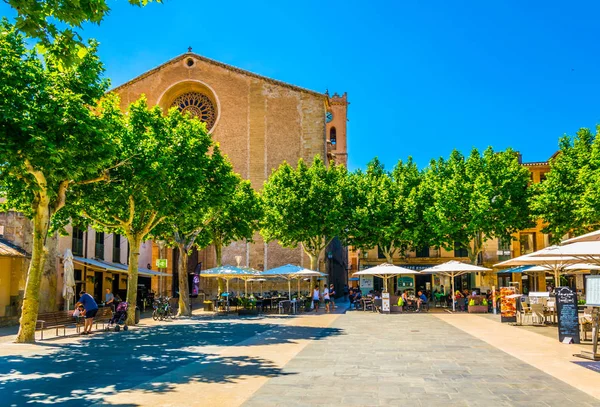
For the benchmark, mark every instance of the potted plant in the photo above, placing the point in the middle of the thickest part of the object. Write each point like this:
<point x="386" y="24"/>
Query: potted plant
<point x="248" y="306"/>
<point x="477" y="304"/>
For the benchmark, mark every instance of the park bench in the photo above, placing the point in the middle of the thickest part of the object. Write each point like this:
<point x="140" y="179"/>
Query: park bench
<point x="56" y="320"/>
<point x="64" y="319"/>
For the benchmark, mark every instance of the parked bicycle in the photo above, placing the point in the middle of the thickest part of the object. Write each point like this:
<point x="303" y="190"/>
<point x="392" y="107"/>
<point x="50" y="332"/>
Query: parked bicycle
<point x="162" y="309"/>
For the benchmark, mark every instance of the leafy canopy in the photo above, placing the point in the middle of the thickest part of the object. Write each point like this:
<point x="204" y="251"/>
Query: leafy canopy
<point x="476" y="198"/>
<point x="160" y="160"/>
<point x="305" y="205"/>
<point x="41" y="19"/>
<point x="50" y="136"/>
<point x="568" y="200"/>
<point x="386" y="211"/>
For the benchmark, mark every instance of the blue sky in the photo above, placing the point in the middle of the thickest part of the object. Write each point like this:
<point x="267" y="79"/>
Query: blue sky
<point x="422" y="77"/>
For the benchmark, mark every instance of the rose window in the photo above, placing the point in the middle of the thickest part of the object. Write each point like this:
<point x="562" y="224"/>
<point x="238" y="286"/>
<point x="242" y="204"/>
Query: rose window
<point x="198" y="105"/>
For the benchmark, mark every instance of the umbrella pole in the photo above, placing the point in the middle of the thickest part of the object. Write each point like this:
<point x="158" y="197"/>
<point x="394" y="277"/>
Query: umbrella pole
<point x="298" y="288"/>
<point x="227" y="283"/>
<point x="453" y="291"/>
<point x="289" y="289"/>
<point x="556" y="278"/>
<point x="245" y="287"/>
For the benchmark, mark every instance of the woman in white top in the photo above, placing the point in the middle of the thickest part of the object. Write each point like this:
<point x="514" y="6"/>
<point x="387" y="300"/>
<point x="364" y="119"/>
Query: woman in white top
<point x="316" y="298"/>
<point x="326" y="298"/>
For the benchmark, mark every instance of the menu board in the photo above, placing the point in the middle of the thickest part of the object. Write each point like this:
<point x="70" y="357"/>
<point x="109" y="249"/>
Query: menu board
<point x="568" y="321"/>
<point x="508" y="306"/>
<point x="592" y="291"/>
<point x="385" y="302"/>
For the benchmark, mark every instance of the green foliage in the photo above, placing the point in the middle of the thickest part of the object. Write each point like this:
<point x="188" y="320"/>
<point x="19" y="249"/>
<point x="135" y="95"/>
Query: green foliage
<point x="237" y="217"/>
<point x="475" y="199"/>
<point x="386" y="208"/>
<point x="38" y="20"/>
<point x="160" y="162"/>
<point x="568" y="200"/>
<point x="50" y="137"/>
<point x="306" y="205"/>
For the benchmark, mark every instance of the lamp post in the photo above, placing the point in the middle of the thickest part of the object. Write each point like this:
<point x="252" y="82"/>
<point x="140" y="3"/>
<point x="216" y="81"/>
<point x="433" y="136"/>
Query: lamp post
<point x="161" y="283"/>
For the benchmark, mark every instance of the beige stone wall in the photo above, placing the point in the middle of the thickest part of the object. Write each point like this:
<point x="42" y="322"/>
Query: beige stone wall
<point x="261" y="123"/>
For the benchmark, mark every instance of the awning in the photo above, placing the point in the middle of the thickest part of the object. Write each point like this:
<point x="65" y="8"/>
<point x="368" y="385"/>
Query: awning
<point x="116" y="267"/>
<point x="518" y="269"/>
<point x="8" y="249"/>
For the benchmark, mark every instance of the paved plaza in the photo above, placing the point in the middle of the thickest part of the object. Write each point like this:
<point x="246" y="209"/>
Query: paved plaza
<point x="350" y="359"/>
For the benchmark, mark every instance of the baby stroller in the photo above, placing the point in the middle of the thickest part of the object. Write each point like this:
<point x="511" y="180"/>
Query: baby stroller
<point x="118" y="318"/>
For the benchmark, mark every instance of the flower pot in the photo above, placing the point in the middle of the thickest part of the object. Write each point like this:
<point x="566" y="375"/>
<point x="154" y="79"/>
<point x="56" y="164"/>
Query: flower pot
<point x="478" y="309"/>
<point x="208" y="306"/>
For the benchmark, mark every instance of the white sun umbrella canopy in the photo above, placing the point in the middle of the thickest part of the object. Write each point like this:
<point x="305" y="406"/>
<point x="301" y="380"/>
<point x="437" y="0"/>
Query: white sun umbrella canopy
<point x="231" y="272"/>
<point x="385" y="271"/>
<point x="291" y="272"/>
<point x="68" y="278"/>
<point x="453" y="269"/>
<point x="551" y="263"/>
<point x="588" y="237"/>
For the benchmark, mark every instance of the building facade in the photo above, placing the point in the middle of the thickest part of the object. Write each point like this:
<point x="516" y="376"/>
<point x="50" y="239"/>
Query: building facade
<point x="259" y="123"/>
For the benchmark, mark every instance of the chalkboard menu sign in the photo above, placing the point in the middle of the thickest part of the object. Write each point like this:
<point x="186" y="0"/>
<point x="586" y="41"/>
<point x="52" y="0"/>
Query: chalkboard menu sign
<point x="568" y="321"/>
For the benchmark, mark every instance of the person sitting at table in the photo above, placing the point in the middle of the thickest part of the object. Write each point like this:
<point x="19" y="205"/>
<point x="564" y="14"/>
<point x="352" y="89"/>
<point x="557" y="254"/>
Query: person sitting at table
<point x="357" y="298"/>
<point x="421" y="299"/>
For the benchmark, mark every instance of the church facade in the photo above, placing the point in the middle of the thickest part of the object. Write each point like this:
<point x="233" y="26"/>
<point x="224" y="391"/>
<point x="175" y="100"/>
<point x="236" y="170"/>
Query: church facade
<point x="258" y="122"/>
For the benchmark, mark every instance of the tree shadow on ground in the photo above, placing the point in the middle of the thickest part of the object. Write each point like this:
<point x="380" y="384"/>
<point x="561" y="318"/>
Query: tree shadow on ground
<point x="102" y="365"/>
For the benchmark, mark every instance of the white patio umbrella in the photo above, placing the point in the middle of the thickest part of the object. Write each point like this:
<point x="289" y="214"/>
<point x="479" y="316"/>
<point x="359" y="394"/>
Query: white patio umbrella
<point x="68" y="278"/>
<point x="228" y="273"/>
<point x="551" y="263"/>
<point x="588" y="237"/>
<point x="291" y="272"/>
<point x="453" y="269"/>
<point x="385" y="271"/>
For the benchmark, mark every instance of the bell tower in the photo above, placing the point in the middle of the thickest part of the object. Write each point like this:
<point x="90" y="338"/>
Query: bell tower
<point x="337" y="149"/>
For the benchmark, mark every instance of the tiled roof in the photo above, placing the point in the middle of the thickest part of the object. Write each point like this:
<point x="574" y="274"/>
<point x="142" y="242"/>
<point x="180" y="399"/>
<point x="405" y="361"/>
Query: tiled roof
<point x="8" y="249"/>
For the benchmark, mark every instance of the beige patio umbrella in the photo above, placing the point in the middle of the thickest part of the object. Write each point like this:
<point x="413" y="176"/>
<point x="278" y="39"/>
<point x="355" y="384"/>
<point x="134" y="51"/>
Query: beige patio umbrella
<point x="551" y="263"/>
<point x="588" y="237"/>
<point x="386" y="272"/>
<point x="453" y="269"/>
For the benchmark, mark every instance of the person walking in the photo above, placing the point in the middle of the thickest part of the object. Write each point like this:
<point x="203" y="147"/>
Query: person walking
<point x="316" y="298"/>
<point x="327" y="299"/>
<point x="91" y="308"/>
<point x="332" y="295"/>
<point x="346" y="292"/>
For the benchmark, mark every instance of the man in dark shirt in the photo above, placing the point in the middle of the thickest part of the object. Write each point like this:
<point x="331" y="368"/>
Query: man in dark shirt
<point x="91" y="308"/>
<point x="421" y="299"/>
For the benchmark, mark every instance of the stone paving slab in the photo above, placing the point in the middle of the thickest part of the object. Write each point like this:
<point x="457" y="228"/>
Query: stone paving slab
<point x="415" y="360"/>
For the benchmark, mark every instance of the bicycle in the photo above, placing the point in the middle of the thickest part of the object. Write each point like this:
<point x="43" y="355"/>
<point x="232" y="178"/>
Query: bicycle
<point x="162" y="309"/>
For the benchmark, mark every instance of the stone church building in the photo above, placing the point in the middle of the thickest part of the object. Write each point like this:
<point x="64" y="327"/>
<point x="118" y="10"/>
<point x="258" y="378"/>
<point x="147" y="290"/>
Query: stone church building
<point x="259" y="123"/>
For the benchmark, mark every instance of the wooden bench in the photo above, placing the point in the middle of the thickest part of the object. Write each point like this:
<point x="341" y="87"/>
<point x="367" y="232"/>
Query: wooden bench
<point x="103" y="315"/>
<point x="56" y="320"/>
<point x="63" y="319"/>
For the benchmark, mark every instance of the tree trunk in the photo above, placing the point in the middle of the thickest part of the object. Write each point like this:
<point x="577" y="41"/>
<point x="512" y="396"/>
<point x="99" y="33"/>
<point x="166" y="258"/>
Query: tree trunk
<point x="132" y="281"/>
<point x="219" y="255"/>
<point x="184" y="290"/>
<point x="314" y="262"/>
<point x="31" y="300"/>
<point x="474" y="251"/>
